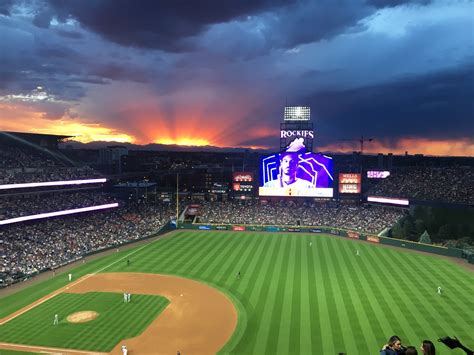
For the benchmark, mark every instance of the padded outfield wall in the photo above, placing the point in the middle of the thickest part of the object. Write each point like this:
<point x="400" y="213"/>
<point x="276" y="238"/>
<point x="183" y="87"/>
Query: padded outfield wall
<point x="452" y="252"/>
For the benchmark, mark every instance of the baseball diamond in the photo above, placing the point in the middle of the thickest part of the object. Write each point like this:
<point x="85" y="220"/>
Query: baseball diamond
<point x="289" y="299"/>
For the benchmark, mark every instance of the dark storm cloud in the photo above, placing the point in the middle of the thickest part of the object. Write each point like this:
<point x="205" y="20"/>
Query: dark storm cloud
<point x="155" y="24"/>
<point x="175" y="26"/>
<point x="34" y="57"/>
<point x="69" y="34"/>
<point x="437" y="106"/>
<point x="5" y="7"/>
<point x="43" y="18"/>
<point x="393" y="3"/>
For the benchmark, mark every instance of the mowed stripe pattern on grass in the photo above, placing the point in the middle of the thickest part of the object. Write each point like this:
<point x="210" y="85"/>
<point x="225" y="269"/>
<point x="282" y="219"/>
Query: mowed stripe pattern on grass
<point x="324" y="299"/>
<point x="319" y="299"/>
<point x="116" y="321"/>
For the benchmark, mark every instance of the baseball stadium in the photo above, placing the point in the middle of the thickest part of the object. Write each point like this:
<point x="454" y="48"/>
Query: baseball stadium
<point x="96" y="264"/>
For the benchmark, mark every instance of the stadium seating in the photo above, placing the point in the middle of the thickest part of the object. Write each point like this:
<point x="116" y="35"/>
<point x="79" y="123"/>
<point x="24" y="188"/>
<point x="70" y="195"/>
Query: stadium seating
<point x="357" y="217"/>
<point x="447" y="184"/>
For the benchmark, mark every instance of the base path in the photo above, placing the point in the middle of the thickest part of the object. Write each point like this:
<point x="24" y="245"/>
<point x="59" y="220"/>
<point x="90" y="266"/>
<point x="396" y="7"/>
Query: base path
<point x="198" y="320"/>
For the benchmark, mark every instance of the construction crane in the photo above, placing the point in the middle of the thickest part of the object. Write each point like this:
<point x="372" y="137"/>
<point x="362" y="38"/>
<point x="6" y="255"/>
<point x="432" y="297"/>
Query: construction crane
<point x="361" y="140"/>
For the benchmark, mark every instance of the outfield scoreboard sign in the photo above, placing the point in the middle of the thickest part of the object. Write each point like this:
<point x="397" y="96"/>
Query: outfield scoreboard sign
<point x="296" y="133"/>
<point x="350" y="183"/>
<point x="296" y="140"/>
<point x="296" y="129"/>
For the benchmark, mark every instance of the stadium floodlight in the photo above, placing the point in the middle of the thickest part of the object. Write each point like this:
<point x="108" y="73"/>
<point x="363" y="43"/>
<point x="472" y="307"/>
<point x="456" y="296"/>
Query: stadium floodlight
<point x="297" y="113"/>
<point x="51" y="183"/>
<point x="393" y="201"/>
<point x="58" y="213"/>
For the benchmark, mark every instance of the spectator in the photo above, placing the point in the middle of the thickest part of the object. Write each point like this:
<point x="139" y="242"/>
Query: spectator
<point x="393" y="346"/>
<point x="428" y="348"/>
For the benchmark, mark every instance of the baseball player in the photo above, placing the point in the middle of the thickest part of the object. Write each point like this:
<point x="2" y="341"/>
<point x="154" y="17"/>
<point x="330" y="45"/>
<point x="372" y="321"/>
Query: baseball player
<point x="56" y="320"/>
<point x="124" y="350"/>
<point x="70" y="277"/>
<point x="128" y="297"/>
<point x="125" y="297"/>
<point x="310" y="243"/>
<point x="357" y="252"/>
<point x="439" y="290"/>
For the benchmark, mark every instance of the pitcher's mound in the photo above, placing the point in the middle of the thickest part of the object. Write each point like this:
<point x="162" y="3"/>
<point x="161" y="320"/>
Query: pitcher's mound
<point x="82" y="317"/>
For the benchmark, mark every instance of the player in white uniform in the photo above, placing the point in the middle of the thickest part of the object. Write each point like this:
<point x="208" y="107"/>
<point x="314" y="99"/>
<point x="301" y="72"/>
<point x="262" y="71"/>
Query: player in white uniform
<point x="125" y="297"/>
<point x="439" y="290"/>
<point x="124" y="350"/>
<point x="56" y="320"/>
<point x="357" y="252"/>
<point x="128" y="297"/>
<point x="70" y="277"/>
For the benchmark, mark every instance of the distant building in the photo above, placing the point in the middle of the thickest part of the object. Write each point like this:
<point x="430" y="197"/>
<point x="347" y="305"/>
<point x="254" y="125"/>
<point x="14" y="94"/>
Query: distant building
<point x="111" y="158"/>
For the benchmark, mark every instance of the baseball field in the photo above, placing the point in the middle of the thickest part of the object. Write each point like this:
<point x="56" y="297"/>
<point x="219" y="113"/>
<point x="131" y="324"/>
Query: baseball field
<point x="296" y="294"/>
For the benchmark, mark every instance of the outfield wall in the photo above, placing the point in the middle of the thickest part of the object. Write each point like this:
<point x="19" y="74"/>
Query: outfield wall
<point x="453" y="252"/>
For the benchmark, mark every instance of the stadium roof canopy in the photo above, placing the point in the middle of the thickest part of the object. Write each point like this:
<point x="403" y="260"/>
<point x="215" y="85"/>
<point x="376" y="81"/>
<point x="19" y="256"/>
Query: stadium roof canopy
<point x="26" y="135"/>
<point x="43" y="140"/>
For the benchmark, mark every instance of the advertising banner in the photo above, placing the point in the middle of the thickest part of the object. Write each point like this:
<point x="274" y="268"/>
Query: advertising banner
<point x="373" y="239"/>
<point x="353" y="235"/>
<point x="242" y="177"/>
<point x="272" y="229"/>
<point x="377" y="174"/>
<point x="294" y="230"/>
<point x="350" y="183"/>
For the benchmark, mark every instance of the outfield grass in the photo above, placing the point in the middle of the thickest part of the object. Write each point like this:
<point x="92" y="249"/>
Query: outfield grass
<point x="298" y="299"/>
<point x="116" y="321"/>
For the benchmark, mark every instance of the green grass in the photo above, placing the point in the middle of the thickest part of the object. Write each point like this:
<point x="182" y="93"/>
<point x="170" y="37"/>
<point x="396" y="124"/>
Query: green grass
<point x="116" y="321"/>
<point x="296" y="299"/>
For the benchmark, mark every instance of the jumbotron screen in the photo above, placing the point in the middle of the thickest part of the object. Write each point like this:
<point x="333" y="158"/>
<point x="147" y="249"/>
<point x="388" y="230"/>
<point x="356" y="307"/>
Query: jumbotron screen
<point x="296" y="174"/>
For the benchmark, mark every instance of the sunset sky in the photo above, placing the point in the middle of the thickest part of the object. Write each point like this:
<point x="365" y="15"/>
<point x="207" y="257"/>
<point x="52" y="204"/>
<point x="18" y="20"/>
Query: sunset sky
<point x="220" y="72"/>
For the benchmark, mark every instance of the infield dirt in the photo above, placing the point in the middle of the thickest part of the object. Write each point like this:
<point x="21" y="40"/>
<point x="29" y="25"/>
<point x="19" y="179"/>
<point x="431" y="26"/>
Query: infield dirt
<point x="198" y="320"/>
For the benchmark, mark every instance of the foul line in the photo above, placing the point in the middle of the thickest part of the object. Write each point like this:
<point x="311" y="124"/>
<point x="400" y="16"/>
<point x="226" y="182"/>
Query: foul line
<point x="47" y="350"/>
<point x="57" y="292"/>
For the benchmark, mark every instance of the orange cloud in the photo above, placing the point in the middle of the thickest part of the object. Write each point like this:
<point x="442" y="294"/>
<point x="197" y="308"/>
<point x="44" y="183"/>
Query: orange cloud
<point x="21" y="118"/>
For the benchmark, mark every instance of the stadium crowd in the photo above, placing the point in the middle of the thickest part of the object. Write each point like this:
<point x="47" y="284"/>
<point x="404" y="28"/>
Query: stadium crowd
<point x="16" y="157"/>
<point x="20" y="165"/>
<point x="370" y="219"/>
<point x="34" y="204"/>
<point x="51" y="173"/>
<point x="29" y="248"/>
<point x="448" y="184"/>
